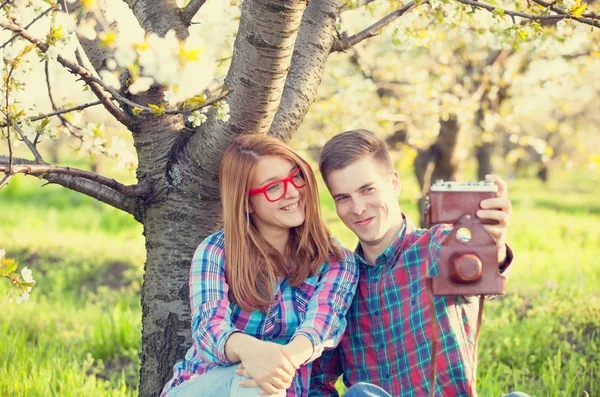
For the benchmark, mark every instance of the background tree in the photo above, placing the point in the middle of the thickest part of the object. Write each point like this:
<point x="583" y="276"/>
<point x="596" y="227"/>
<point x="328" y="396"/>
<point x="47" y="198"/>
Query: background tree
<point x="155" y="79"/>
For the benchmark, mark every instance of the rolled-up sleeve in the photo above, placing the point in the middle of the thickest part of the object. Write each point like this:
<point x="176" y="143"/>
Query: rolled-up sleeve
<point x="325" y="319"/>
<point x="211" y="314"/>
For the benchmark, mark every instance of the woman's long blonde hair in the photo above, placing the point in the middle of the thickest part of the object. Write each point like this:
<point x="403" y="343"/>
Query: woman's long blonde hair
<point x="252" y="265"/>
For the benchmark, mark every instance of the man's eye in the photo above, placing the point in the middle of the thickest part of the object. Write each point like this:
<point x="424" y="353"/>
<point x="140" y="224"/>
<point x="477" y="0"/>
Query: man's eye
<point x="369" y="189"/>
<point x="340" y="199"/>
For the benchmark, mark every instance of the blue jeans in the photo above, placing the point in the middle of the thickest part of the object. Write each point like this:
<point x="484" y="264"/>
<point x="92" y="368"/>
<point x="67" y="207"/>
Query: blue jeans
<point x="370" y="390"/>
<point x="218" y="382"/>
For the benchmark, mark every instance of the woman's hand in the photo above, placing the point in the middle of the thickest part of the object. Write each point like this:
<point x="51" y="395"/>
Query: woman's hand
<point x="267" y="365"/>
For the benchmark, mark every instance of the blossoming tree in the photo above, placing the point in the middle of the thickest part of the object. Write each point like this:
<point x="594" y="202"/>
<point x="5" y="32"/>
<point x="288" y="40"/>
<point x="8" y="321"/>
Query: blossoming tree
<point x="155" y="80"/>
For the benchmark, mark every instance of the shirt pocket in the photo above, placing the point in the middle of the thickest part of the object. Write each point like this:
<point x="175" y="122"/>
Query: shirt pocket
<point x="303" y="293"/>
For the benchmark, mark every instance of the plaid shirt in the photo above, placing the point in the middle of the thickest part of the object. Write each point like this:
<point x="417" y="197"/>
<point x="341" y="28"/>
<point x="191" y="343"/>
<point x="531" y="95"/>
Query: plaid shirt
<point x="388" y="338"/>
<point x="315" y="309"/>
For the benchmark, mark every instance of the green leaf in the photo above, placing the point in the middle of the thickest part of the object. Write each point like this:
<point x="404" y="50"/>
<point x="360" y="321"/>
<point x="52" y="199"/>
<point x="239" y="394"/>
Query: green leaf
<point x="136" y="111"/>
<point x="194" y="102"/>
<point x="44" y="123"/>
<point x="8" y="266"/>
<point x="498" y="13"/>
<point x="157" y="110"/>
<point x="577" y="11"/>
<point x="522" y="34"/>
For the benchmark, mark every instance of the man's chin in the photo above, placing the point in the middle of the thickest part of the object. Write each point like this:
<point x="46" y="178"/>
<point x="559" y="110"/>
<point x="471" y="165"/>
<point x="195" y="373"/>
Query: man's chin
<point x="369" y="239"/>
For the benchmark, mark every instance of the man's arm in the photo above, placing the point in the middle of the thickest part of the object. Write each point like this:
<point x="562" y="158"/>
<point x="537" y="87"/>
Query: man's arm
<point x="326" y="371"/>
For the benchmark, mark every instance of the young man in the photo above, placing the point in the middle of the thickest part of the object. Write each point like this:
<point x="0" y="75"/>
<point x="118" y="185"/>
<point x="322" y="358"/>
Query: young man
<point x="388" y="339"/>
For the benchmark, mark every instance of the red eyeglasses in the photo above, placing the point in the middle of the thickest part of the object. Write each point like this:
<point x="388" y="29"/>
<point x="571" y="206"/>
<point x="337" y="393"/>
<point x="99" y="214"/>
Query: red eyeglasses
<point x="275" y="190"/>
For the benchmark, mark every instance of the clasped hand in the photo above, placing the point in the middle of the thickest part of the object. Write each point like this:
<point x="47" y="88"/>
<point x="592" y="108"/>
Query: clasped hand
<point x="268" y="366"/>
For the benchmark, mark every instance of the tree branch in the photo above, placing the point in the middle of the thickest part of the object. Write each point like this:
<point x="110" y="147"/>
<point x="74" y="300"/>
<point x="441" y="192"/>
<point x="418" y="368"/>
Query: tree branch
<point x="262" y="55"/>
<point x="311" y="50"/>
<point x="95" y="83"/>
<point x="28" y="25"/>
<point x="205" y="104"/>
<point x="94" y="190"/>
<point x="559" y="11"/>
<point x="191" y="10"/>
<point x="344" y="44"/>
<point x="74" y="177"/>
<point x="560" y="14"/>
<point x="31" y="146"/>
<point x="61" y="111"/>
<point x="7" y="2"/>
<point x="6" y="179"/>
<point x="66" y="123"/>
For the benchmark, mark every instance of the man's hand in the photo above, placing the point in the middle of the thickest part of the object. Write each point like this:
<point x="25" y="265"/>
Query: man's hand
<point x="268" y="367"/>
<point x="500" y="210"/>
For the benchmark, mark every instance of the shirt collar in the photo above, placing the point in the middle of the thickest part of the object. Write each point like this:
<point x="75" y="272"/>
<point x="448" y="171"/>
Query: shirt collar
<point x="392" y="251"/>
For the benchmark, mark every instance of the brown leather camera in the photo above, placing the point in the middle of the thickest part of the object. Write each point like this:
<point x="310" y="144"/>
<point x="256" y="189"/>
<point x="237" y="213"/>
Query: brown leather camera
<point x="468" y="263"/>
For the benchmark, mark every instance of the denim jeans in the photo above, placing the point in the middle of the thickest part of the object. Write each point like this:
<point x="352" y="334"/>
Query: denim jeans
<point x="218" y="382"/>
<point x="370" y="390"/>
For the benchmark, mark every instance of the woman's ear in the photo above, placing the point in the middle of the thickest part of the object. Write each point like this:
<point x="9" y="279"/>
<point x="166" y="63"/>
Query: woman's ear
<point x="249" y="208"/>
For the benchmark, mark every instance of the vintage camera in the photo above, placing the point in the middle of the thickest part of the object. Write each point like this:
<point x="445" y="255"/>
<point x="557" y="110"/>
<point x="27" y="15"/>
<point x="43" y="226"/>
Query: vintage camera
<point x="468" y="263"/>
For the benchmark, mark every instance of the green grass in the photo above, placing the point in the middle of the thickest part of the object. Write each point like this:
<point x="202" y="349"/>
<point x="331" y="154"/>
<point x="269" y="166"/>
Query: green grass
<point x="80" y="332"/>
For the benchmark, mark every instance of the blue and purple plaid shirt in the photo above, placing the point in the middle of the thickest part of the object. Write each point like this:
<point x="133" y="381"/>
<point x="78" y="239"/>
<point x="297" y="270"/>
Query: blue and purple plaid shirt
<point x="316" y="309"/>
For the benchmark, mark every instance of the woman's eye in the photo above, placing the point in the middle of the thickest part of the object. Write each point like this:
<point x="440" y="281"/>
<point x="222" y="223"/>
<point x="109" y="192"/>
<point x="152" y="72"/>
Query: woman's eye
<point x="298" y="177"/>
<point x="274" y="187"/>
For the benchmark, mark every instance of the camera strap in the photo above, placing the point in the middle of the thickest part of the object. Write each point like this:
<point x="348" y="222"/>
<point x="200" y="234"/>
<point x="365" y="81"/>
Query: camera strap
<point x="435" y="337"/>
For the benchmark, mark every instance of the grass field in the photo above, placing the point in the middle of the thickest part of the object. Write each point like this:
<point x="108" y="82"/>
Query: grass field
<point x="79" y="335"/>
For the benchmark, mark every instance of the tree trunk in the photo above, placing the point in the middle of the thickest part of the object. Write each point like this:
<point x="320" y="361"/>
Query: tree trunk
<point x="484" y="160"/>
<point x="439" y="160"/>
<point x="183" y="168"/>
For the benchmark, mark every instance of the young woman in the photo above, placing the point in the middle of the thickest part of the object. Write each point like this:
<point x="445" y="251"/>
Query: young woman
<point x="270" y="291"/>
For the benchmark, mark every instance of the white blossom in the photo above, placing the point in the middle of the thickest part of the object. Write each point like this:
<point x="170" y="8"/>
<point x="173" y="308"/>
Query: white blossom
<point x="222" y="111"/>
<point x="65" y="21"/>
<point x="86" y="29"/>
<point x="142" y="84"/>
<point x="27" y="275"/>
<point x="22" y="298"/>
<point x="197" y="118"/>
<point x="110" y="79"/>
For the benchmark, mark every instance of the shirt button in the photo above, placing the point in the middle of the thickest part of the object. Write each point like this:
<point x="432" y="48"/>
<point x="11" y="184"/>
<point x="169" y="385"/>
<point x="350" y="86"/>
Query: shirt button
<point x="377" y="312"/>
<point x="387" y="375"/>
<point x="413" y="302"/>
<point x="277" y="320"/>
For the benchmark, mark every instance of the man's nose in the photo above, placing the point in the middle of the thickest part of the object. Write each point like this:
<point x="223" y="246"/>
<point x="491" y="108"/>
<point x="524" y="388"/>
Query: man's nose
<point x="358" y="207"/>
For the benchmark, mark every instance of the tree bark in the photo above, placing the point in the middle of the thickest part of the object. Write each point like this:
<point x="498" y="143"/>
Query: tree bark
<point x="438" y="161"/>
<point x="312" y="48"/>
<point x="484" y="160"/>
<point x="262" y="55"/>
<point x="183" y="168"/>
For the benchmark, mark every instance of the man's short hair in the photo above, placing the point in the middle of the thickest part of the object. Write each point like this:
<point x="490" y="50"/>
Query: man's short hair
<point x="351" y="146"/>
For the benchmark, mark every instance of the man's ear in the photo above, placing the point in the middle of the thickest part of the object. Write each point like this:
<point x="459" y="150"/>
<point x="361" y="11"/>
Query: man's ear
<point x="397" y="186"/>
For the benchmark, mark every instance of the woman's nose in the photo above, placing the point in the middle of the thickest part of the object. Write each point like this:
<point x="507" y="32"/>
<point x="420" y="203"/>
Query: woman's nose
<point x="291" y="191"/>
